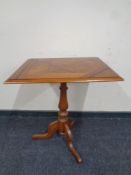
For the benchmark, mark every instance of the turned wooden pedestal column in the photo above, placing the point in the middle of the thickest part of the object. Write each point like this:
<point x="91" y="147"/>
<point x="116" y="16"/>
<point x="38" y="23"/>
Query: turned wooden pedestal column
<point x="62" y="125"/>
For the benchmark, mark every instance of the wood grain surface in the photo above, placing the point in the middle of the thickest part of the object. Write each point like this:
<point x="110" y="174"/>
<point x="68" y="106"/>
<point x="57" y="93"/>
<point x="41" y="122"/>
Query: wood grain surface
<point x="58" y="70"/>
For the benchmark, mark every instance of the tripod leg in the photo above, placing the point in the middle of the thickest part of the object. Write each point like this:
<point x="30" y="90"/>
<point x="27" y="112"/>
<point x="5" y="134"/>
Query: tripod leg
<point x="69" y="139"/>
<point x="71" y="123"/>
<point x="52" y="128"/>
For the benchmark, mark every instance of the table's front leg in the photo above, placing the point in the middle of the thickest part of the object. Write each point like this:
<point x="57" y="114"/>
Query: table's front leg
<point x="69" y="139"/>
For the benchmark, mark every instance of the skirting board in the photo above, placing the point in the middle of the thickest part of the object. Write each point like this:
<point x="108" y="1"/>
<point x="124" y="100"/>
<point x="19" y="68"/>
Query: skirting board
<point x="99" y="114"/>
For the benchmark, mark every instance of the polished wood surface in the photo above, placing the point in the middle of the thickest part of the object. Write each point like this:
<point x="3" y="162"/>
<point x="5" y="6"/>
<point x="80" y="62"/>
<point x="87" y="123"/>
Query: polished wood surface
<point x="54" y="70"/>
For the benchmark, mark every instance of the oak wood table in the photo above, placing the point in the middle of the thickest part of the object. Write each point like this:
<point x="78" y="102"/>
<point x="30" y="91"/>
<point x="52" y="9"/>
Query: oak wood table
<point x="63" y="71"/>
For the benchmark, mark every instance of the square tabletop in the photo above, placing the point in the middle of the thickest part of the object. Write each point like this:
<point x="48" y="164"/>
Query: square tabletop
<point x="58" y="70"/>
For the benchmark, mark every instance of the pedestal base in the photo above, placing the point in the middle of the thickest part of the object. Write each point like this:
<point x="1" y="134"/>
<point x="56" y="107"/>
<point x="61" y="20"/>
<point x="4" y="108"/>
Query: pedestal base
<point x="62" y="125"/>
<point x="55" y="127"/>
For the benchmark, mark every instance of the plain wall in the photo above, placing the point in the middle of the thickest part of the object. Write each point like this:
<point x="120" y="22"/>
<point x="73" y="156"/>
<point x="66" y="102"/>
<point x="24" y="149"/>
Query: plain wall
<point x="66" y="28"/>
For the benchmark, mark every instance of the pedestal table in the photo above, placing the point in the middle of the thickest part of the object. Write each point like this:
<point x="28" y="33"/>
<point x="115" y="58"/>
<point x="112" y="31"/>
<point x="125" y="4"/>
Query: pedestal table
<point x="63" y="71"/>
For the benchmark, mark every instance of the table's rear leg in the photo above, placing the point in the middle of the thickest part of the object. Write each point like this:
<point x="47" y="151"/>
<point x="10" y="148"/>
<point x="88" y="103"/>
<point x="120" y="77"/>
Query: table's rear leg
<point x="52" y="128"/>
<point x="69" y="139"/>
<point x="71" y="123"/>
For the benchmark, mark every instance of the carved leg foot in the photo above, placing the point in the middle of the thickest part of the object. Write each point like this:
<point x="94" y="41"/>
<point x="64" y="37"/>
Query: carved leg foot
<point x="69" y="139"/>
<point x="52" y="128"/>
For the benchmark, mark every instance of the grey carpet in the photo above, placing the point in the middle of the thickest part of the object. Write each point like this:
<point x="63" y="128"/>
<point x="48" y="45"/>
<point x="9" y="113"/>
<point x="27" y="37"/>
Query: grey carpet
<point x="104" y="143"/>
